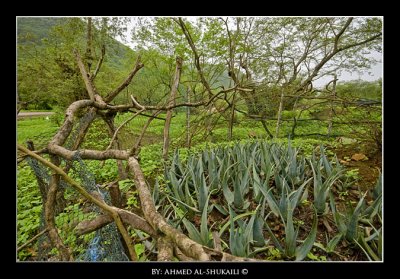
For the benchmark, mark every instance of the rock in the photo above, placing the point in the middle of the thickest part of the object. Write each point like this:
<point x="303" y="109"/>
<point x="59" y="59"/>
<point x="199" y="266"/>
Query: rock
<point x="359" y="157"/>
<point x="343" y="162"/>
<point x="345" y="141"/>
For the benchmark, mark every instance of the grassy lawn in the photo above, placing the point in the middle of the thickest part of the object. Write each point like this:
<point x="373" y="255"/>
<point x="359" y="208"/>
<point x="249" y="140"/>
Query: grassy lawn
<point x="37" y="129"/>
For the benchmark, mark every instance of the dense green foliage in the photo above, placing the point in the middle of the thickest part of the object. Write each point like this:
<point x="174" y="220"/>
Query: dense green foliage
<point x="47" y="71"/>
<point x="361" y="89"/>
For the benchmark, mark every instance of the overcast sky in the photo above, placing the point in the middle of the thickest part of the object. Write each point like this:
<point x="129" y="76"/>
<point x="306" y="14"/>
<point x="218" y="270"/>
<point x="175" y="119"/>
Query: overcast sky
<point x="370" y="75"/>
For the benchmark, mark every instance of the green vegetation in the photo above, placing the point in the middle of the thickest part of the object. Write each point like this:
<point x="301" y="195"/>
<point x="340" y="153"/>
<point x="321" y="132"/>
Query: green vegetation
<point x="188" y="202"/>
<point x="361" y="89"/>
<point x="229" y="180"/>
<point x="39" y="130"/>
<point x="29" y="208"/>
<point x="258" y="163"/>
<point x="47" y="76"/>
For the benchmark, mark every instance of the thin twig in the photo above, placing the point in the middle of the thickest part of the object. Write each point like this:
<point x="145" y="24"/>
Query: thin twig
<point x="31" y="240"/>
<point x="122" y="125"/>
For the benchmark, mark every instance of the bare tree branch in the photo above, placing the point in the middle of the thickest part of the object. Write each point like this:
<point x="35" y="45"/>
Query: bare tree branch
<point x="99" y="63"/>
<point x="192" y="248"/>
<point x="135" y="148"/>
<point x="49" y="212"/>
<point x="171" y="102"/>
<point x="89" y="154"/>
<point x="196" y="55"/>
<point x="129" y="218"/>
<point x="122" y="125"/>
<point x="345" y="26"/>
<point x="110" y="96"/>
<point x="362" y="42"/>
<point x="32" y="240"/>
<point x="86" y="78"/>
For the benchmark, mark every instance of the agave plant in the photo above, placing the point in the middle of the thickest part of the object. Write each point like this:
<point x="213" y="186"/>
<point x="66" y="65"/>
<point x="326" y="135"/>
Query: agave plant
<point x="204" y="235"/>
<point x="241" y="238"/>
<point x="372" y="244"/>
<point x="322" y="188"/>
<point x="376" y="207"/>
<point x="289" y="247"/>
<point x="293" y="168"/>
<point x="284" y="209"/>
<point x="288" y="200"/>
<point x="348" y="224"/>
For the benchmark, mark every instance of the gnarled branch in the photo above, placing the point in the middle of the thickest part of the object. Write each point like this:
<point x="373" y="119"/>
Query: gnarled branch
<point x="110" y="96"/>
<point x="110" y="210"/>
<point x="86" y="78"/>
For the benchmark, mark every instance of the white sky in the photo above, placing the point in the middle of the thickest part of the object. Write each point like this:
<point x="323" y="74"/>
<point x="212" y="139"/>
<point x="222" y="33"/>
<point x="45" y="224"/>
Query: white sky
<point x="372" y="74"/>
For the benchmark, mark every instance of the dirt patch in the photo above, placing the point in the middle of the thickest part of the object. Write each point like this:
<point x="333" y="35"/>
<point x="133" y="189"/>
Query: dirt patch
<point x="368" y="170"/>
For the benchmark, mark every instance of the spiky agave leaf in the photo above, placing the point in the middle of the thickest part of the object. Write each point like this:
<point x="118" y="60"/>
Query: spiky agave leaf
<point x="352" y="225"/>
<point x="303" y="249"/>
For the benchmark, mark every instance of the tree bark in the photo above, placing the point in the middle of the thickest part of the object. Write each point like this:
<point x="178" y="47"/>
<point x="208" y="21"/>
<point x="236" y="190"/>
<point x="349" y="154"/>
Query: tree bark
<point x="278" y="122"/>
<point x="165" y="250"/>
<point x="86" y="76"/>
<point x="331" y="111"/>
<point x="115" y="194"/>
<point x="65" y="254"/>
<point x="191" y="248"/>
<point x="89" y="40"/>
<point x="232" y="117"/>
<point x="171" y="102"/>
<point x="99" y="63"/>
<point x="188" y="119"/>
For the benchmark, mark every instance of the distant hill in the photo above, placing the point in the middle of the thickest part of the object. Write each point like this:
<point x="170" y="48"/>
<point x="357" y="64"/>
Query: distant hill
<point x="34" y="29"/>
<point x="46" y="68"/>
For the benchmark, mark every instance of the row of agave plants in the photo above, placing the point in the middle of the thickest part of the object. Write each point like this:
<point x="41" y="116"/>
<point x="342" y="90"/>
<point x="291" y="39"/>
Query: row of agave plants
<point x="253" y="184"/>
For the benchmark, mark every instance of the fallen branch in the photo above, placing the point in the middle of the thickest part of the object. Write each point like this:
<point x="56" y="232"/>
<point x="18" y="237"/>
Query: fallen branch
<point x="165" y="250"/>
<point x="88" y="226"/>
<point x="49" y="213"/>
<point x="88" y="153"/>
<point x="110" y="210"/>
<point x="129" y="218"/>
<point x="189" y="247"/>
